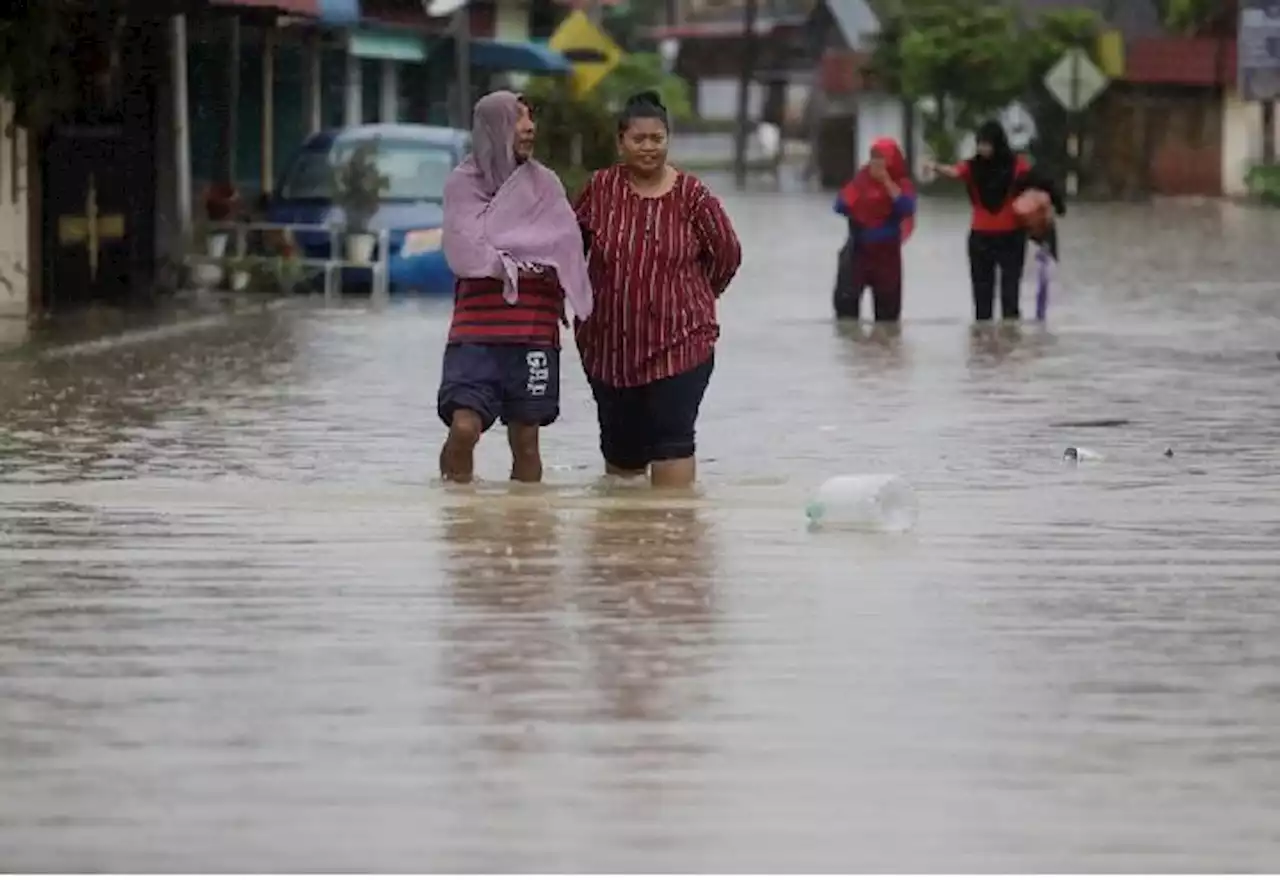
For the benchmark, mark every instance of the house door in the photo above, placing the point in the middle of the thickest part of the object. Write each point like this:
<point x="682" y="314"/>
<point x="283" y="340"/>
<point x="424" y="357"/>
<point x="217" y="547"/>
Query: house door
<point x="98" y="176"/>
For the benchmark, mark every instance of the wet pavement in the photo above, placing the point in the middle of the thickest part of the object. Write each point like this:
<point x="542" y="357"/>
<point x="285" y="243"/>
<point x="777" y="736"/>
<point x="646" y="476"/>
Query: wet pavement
<point x="242" y="627"/>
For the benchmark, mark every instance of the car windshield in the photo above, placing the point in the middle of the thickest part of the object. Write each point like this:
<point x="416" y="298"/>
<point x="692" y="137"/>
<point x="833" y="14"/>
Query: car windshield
<point x="415" y="171"/>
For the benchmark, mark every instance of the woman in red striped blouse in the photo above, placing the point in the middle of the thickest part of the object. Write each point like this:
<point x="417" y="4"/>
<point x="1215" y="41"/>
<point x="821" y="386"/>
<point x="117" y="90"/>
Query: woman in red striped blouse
<point x="661" y="252"/>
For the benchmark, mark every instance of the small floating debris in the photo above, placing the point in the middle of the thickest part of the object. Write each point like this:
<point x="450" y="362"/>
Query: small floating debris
<point x="1092" y="423"/>
<point x="1078" y="454"/>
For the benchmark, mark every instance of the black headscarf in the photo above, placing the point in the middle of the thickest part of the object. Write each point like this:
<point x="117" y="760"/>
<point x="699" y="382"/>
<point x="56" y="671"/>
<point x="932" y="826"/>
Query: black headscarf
<point x="993" y="177"/>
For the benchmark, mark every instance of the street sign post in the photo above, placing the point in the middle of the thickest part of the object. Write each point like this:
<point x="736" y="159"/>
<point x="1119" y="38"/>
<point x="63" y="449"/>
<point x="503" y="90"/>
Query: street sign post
<point x="589" y="49"/>
<point x="1075" y="82"/>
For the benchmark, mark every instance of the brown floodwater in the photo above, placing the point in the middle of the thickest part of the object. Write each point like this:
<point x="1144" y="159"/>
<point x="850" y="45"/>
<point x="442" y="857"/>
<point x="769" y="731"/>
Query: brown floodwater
<point x="242" y="626"/>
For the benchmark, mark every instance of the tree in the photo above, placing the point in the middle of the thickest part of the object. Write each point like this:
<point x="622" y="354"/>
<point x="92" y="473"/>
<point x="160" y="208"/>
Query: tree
<point x="960" y="60"/>
<point x="641" y="71"/>
<point x="1192" y="16"/>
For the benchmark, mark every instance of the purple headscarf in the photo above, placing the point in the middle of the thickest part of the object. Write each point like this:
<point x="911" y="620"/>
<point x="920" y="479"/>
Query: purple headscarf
<point x="501" y="213"/>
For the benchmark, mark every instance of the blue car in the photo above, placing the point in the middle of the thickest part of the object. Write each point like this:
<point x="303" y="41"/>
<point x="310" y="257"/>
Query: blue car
<point x="416" y="160"/>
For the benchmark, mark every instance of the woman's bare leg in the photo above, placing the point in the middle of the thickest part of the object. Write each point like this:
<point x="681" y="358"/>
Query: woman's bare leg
<point x="676" y="473"/>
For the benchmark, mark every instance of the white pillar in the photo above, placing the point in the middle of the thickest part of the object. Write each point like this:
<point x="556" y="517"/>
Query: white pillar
<point x="313" y="78"/>
<point x="355" y="91"/>
<point x="390" y="91"/>
<point x="181" y="123"/>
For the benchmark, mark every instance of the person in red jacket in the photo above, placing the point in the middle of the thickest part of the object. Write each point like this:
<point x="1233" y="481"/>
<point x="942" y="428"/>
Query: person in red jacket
<point x="880" y="204"/>
<point x="995" y="177"/>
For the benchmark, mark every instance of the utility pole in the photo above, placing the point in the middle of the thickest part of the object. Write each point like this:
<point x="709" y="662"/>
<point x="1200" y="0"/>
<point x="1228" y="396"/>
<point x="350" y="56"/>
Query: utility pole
<point x="462" y="53"/>
<point x="1269" y="132"/>
<point x="459" y="15"/>
<point x="745" y="80"/>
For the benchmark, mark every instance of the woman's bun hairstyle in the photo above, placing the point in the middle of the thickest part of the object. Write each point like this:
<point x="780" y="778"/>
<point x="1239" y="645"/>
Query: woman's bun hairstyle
<point x="643" y="105"/>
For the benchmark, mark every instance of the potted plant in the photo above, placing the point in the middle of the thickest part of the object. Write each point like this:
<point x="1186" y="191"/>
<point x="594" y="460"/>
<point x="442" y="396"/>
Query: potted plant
<point x="222" y="204"/>
<point x="358" y="190"/>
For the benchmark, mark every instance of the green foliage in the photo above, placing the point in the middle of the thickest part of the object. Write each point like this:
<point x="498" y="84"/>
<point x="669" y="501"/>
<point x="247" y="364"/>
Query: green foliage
<point x="642" y="71"/>
<point x="1190" y="16"/>
<point x="575" y="136"/>
<point x="1264" y="183"/>
<point x="1056" y="32"/>
<point x="967" y="59"/>
<point x="358" y="186"/>
<point x="579" y="135"/>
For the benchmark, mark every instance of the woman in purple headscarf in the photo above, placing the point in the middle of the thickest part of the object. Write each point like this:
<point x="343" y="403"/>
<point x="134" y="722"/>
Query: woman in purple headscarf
<point x="513" y="241"/>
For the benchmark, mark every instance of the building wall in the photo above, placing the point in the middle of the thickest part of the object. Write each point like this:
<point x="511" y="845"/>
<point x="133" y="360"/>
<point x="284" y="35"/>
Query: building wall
<point x="1241" y="142"/>
<point x="511" y="20"/>
<point x="1187" y="155"/>
<point x="15" y="260"/>
<point x="881" y="115"/>
<point x="1158" y="140"/>
<point x="716" y="99"/>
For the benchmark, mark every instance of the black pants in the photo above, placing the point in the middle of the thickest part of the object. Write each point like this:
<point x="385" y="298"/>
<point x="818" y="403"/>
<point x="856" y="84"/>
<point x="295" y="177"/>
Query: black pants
<point x="654" y="422"/>
<point x="990" y="253"/>
<point x="875" y="265"/>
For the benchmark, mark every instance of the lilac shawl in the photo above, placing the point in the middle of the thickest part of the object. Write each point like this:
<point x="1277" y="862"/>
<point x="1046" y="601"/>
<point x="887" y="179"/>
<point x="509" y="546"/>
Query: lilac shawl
<point x="501" y="214"/>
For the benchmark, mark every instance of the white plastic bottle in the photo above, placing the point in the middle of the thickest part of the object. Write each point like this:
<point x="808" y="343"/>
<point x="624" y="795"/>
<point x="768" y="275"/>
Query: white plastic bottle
<point x="863" y="502"/>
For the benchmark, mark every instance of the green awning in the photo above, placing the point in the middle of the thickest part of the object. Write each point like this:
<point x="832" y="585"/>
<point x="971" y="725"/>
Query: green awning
<point x="387" y="45"/>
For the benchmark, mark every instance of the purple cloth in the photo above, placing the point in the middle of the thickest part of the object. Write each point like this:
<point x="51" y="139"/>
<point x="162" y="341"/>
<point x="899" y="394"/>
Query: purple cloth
<point x="1043" y="259"/>
<point x="501" y="213"/>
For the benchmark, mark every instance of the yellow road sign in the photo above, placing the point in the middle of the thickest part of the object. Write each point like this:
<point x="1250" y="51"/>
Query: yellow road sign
<point x="590" y="50"/>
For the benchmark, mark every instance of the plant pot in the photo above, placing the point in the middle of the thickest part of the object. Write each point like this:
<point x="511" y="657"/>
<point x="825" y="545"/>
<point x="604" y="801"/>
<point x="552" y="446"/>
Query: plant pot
<point x="360" y="247"/>
<point x="207" y="276"/>
<point x="216" y="244"/>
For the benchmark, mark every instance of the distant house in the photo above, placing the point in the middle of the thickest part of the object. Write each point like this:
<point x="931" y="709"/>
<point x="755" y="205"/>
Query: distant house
<point x="710" y="37"/>
<point x="1170" y="123"/>
<point x="845" y="95"/>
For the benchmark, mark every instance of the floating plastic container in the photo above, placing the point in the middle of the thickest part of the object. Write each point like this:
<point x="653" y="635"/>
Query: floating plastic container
<point x="1077" y="454"/>
<point x="865" y="503"/>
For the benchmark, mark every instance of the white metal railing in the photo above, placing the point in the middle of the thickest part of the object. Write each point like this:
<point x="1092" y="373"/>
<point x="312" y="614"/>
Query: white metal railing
<point x="234" y="252"/>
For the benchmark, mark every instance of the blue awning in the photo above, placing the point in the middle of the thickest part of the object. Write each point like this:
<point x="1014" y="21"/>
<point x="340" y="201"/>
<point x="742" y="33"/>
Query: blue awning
<point x="339" y="12"/>
<point x="515" y="56"/>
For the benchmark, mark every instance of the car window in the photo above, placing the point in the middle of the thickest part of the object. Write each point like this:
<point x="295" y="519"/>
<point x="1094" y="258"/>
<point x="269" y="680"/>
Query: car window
<point x="415" y="171"/>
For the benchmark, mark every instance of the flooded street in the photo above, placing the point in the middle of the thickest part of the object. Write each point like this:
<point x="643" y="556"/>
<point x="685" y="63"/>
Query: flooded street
<point x="243" y="627"/>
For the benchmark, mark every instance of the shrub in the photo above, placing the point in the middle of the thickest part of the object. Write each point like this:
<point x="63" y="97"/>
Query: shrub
<point x="1264" y="183"/>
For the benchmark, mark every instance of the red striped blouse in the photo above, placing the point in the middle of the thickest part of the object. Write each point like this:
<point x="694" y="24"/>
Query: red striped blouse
<point x="481" y="316"/>
<point x="657" y="267"/>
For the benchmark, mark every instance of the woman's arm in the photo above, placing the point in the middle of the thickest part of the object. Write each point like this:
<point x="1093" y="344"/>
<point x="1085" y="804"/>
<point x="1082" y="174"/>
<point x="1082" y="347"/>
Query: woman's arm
<point x="959" y="171"/>
<point x="721" y="250"/>
<point x="582" y="209"/>
<point x="904" y="204"/>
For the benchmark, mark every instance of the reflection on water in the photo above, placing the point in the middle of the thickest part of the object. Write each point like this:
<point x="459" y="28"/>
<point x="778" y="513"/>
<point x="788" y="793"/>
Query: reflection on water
<point x="648" y="590"/>
<point x="239" y="618"/>
<point x="507" y="645"/>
